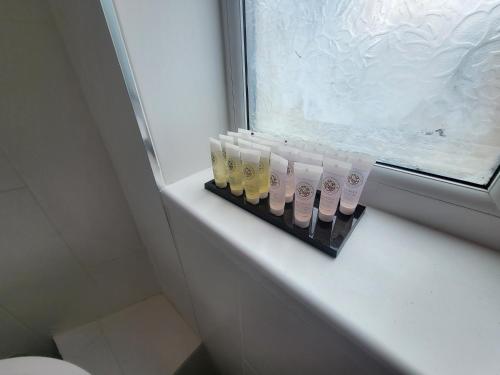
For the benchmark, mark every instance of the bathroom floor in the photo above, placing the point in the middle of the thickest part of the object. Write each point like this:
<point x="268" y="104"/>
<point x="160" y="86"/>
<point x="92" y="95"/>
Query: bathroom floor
<point x="148" y="338"/>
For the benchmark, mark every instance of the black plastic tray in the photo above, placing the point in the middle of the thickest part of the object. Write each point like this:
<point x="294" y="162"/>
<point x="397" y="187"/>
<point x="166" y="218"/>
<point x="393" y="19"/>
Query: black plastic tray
<point x="327" y="237"/>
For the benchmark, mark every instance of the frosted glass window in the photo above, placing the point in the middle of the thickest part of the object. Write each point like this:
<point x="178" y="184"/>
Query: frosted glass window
<point x="415" y="82"/>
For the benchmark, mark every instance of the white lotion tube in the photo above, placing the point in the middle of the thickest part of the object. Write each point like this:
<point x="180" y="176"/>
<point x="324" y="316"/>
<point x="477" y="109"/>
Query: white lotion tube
<point x="245" y="143"/>
<point x="306" y="183"/>
<point x="290" y="154"/>
<point x="224" y="140"/>
<point x="266" y="142"/>
<point x="218" y="164"/>
<point x="310" y="158"/>
<point x="265" y="154"/>
<point x="250" y="163"/>
<point x="334" y="178"/>
<point x="234" y="169"/>
<point x="269" y="137"/>
<point x="235" y="136"/>
<point x="245" y="131"/>
<point x="356" y="180"/>
<point x="277" y="184"/>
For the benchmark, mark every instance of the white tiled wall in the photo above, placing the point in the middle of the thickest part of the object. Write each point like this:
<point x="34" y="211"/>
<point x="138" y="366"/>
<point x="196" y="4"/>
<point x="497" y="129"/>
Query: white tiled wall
<point x="69" y="248"/>
<point x="88" y="43"/>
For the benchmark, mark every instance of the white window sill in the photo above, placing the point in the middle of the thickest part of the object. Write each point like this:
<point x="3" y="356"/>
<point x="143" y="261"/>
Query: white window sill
<point x="421" y="299"/>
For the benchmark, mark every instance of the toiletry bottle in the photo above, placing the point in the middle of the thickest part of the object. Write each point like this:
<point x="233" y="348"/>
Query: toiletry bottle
<point x="265" y="153"/>
<point x="333" y="181"/>
<point x="290" y="154"/>
<point x="245" y="143"/>
<point x="218" y="166"/>
<point x="224" y="140"/>
<point x="245" y="131"/>
<point x="356" y="180"/>
<point x="234" y="167"/>
<point x="278" y="167"/>
<point x="250" y="163"/>
<point x="309" y="158"/>
<point x="306" y="183"/>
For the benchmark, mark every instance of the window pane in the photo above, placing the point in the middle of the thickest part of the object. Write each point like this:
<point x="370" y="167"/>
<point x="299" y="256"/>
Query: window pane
<point x="415" y="82"/>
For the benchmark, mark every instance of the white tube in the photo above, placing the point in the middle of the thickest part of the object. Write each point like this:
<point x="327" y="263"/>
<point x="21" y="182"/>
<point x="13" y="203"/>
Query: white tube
<point x="234" y="135"/>
<point x="245" y="131"/>
<point x="218" y="167"/>
<point x="244" y="143"/>
<point x="234" y="169"/>
<point x="290" y="154"/>
<point x="223" y="140"/>
<point x="265" y="154"/>
<point x="277" y="186"/>
<point x="306" y="183"/>
<point x="339" y="155"/>
<point x="268" y="137"/>
<point x="266" y="142"/>
<point x="310" y="158"/>
<point x="356" y="179"/>
<point x="250" y="163"/>
<point x="334" y="178"/>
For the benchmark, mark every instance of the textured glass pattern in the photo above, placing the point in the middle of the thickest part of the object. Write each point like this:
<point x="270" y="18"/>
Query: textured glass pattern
<point x="415" y="82"/>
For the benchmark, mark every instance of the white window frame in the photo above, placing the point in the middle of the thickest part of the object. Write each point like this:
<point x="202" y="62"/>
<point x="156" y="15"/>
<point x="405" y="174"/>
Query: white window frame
<point x="478" y="207"/>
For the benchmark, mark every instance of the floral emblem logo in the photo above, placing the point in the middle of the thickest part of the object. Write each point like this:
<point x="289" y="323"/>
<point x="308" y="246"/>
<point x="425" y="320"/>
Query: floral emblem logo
<point x="305" y="190"/>
<point x="230" y="164"/>
<point x="289" y="170"/>
<point x="331" y="185"/>
<point x="212" y="156"/>
<point x="354" y="179"/>
<point x="248" y="172"/>
<point x="274" y="180"/>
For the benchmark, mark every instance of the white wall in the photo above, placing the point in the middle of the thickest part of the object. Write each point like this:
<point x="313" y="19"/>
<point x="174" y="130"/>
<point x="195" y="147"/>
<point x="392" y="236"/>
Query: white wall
<point x="69" y="248"/>
<point x="92" y="53"/>
<point x="176" y="52"/>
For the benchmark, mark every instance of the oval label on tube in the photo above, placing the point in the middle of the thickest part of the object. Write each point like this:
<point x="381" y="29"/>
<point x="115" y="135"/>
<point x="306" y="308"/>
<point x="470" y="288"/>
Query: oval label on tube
<point x="354" y="178"/>
<point x="305" y="190"/>
<point x="248" y="171"/>
<point x="330" y="185"/>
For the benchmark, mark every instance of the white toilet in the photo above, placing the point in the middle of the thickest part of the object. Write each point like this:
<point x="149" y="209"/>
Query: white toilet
<point x="38" y="366"/>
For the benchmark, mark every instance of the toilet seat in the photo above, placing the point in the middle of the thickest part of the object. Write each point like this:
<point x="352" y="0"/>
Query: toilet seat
<point x="38" y="366"/>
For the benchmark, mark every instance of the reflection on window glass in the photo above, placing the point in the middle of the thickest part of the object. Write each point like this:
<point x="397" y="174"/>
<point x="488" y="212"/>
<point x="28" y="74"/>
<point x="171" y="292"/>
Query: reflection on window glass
<point x="414" y="82"/>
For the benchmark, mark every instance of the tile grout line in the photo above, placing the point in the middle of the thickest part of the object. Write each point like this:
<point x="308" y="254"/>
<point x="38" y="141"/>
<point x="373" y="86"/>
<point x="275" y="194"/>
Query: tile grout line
<point x="7" y="312"/>
<point x="108" y="343"/>
<point x="186" y="284"/>
<point x="13" y="189"/>
<point x="52" y="225"/>
<point x="46" y="215"/>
